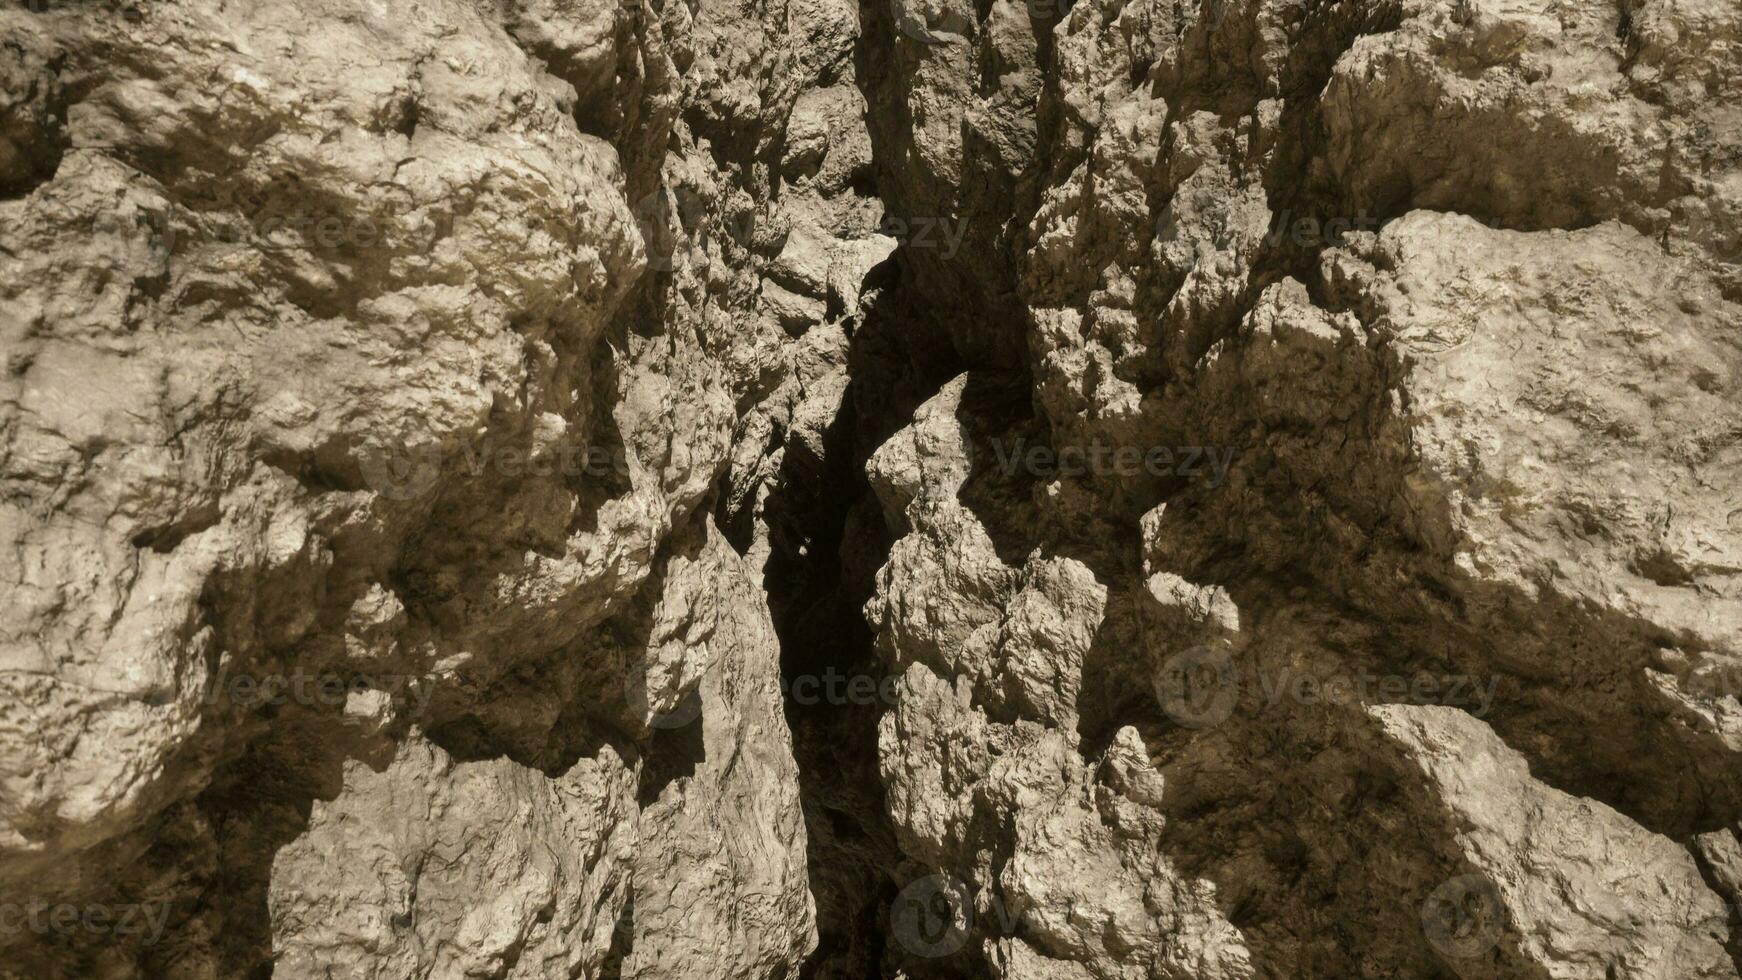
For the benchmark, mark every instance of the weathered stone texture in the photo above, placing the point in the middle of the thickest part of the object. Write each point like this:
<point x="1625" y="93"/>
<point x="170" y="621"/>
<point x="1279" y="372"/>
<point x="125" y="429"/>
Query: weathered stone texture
<point x="1275" y="463"/>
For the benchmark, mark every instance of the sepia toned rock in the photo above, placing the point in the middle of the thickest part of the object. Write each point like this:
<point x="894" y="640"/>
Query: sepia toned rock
<point x="826" y="489"/>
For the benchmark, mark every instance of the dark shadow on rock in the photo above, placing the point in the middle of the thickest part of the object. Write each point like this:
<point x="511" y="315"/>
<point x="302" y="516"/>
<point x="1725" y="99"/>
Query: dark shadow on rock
<point x="826" y="540"/>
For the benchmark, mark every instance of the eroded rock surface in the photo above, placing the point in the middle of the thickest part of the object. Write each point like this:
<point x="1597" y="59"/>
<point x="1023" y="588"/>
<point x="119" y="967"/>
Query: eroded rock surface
<point x="360" y="425"/>
<point x="1264" y="473"/>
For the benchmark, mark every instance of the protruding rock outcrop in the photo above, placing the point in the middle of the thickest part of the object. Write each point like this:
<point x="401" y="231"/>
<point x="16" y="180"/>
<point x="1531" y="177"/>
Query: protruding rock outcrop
<point x="817" y="489"/>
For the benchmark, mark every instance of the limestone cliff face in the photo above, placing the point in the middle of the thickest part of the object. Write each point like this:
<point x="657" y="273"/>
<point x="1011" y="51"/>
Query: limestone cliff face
<point x="360" y="422"/>
<point x="1106" y="489"/>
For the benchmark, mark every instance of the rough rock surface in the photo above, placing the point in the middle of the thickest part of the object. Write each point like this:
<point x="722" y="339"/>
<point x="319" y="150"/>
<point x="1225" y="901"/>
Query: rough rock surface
<point x="440" y="868"/>
<point x="342" y="347"/>
<point x="1037" y="489"/>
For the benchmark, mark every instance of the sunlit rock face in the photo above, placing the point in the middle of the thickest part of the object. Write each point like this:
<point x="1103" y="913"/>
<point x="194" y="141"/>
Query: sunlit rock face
<point x="822" y="489"/>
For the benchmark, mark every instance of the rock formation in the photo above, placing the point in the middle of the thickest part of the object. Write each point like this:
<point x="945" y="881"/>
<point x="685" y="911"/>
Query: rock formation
<point x="827" y="489"/>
